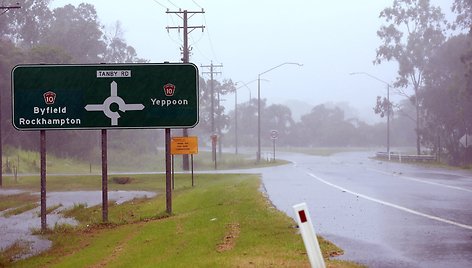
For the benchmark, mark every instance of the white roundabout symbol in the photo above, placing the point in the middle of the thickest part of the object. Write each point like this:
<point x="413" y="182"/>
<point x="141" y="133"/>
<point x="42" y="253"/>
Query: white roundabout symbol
<point x="114" y="98"/>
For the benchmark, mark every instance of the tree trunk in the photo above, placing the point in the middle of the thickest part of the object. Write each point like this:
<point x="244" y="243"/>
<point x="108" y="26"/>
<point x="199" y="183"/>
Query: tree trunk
<point x="418" y="148"/>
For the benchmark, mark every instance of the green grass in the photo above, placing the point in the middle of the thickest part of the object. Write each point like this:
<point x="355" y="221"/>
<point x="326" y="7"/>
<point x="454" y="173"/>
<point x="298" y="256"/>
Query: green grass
<point x="51" y="209"/>
<point x="88" y="183"/>
<point x="29" y="162"/>
<point x="121" y="161"/>
<point x="13" y="252"/>
<point x="222" y="222"/>
<point x="12" y="201"/>
<point x="20" y="209"/>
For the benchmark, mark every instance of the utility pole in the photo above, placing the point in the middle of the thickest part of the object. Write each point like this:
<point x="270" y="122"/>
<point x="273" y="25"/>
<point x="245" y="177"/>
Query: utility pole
<point x="212" y="90"/>
<point x="183" y="14"/>
<point x="3" y="10"/>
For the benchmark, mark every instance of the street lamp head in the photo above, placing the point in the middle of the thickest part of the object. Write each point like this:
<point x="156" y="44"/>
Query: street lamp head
<point x="371" y="76"/>
<point x="354" y="73"/>
<point x="293" y="63"/>
<point x="282" y="64"/>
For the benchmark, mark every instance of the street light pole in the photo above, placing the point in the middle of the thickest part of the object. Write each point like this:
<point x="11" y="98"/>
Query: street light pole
<point x="388" y="106"/>
<point x="258" y="159"/>
<point x="236" y="108"/>
<point x="236" y="121"/>
<point x="388" y="120"/>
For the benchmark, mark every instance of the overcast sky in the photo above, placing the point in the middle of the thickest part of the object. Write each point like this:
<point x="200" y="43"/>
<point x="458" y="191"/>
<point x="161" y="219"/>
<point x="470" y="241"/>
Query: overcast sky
<point x="330" y="38"/>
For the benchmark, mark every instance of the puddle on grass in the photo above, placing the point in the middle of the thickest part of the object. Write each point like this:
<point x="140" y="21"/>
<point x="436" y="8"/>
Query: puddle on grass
<point x="18" y="228"/>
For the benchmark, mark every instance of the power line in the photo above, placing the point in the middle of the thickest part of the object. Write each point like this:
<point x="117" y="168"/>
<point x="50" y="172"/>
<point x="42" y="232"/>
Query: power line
<point x="209" y="39"/>
<point x="173" y="4"/>
<point x="197" y="4"/>
<point x="157" y="2"/>
<point x="199" y="50"/>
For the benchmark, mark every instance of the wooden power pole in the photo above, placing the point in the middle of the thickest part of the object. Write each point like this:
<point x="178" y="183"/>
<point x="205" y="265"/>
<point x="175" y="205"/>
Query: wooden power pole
<point x="184" y="15"/>
<point x="214" y="130"/>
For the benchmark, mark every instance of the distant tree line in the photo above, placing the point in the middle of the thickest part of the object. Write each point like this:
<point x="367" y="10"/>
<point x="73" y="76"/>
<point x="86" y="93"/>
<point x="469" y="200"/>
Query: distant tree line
<point x="323" y="126"/>
<point x="434" y="74"/>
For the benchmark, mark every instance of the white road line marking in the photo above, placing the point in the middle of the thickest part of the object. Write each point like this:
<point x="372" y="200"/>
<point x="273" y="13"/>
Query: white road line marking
<point x="465" y="226"/>
<point x="423" y="181"/>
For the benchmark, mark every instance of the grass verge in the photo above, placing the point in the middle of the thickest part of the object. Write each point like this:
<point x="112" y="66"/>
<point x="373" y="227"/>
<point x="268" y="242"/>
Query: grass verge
<point x="26" y="162"/>
<point x="222" y="222"/>
<point x="20" y="209"/>
<point x="13" y="252"/>
<point x="17" y="200"/>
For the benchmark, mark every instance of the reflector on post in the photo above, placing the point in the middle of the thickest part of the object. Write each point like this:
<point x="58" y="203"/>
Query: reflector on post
<point x="309" y="236"/>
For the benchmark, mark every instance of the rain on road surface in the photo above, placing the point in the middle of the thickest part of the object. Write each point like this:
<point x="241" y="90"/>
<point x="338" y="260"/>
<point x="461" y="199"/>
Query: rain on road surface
<point x="382" y="214"/>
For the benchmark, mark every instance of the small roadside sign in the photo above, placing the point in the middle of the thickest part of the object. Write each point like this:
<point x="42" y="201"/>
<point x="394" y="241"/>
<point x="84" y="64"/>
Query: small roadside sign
<point x="274" y="134"/>
<point x="466" y="141"/>
<point x="184" y="145"/>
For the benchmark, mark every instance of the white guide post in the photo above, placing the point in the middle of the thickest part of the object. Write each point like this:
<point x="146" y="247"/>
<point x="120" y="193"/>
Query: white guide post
<point x="309" y="236"/>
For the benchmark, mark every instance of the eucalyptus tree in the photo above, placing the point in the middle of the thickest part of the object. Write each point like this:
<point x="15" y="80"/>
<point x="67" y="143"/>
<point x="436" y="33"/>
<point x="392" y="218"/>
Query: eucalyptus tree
<point x="448" y="100"/>
<point x="414" y="30"/>
<point x="26" y="26"/>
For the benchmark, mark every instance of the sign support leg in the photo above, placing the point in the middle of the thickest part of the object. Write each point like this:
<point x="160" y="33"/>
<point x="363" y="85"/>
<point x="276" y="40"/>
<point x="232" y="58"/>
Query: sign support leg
<point x="168" y="175"/>
<point x="1" y="151"/>
<point x="193" y="182"/>
<point x="273" y="141"/>
<point x="42" y="149"/>
<point x="173" y="173"/>
<point x="185" y="165"/>
<point x="104" y="177"/>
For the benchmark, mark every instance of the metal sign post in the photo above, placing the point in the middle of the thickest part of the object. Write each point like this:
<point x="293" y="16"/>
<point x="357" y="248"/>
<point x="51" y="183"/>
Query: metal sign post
<point x="42" y="152"/>
<point x="168" y="174"/>
<point x="274" y="135"/>
<point x="104" y="176"/>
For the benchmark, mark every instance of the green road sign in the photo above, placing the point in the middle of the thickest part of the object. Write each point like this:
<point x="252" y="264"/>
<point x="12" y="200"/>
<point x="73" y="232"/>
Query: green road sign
<point x="105" y="96"/>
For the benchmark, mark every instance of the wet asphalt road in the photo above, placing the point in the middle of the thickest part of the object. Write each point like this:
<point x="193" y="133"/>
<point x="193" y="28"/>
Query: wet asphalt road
<point x="382" y="214"/>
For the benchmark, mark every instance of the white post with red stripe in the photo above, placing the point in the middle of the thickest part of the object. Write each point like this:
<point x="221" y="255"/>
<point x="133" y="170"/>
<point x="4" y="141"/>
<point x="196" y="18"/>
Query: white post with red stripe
<point x="309" y="236"/>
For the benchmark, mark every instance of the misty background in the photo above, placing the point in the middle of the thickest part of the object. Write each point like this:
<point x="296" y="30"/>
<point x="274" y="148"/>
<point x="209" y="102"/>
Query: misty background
<point x="319" y="104"/>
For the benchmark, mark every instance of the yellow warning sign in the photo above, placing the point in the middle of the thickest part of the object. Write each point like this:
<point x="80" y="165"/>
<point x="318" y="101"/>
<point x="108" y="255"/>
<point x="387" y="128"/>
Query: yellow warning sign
<point x="184" y="145"/>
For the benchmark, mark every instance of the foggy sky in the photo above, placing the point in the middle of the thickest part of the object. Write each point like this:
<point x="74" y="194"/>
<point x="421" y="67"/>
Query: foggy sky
<point x="330" y="38"/>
